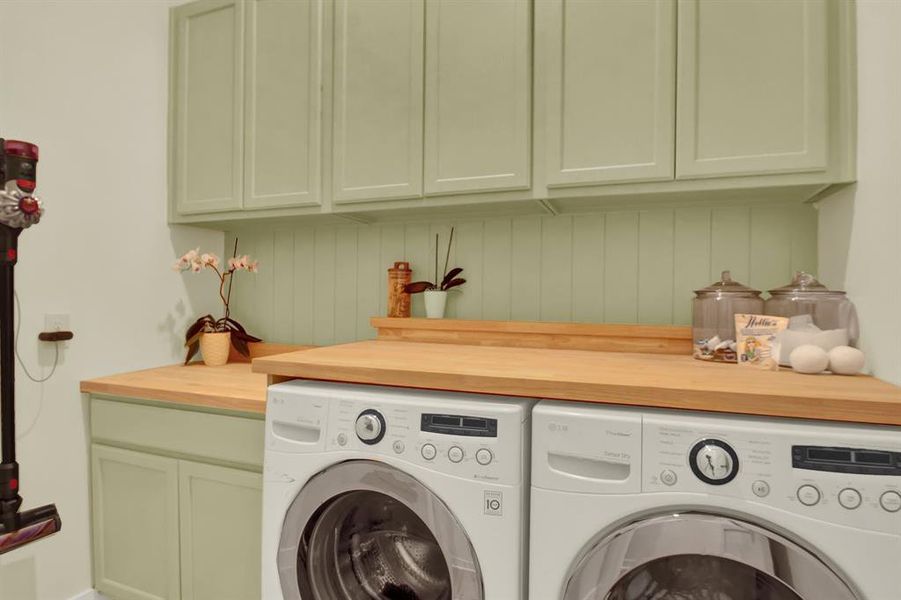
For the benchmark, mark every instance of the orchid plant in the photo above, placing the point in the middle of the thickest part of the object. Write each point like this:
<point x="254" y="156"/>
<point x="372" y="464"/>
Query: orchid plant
<point x="196" y="262"/>
<point x="447" y="282"/>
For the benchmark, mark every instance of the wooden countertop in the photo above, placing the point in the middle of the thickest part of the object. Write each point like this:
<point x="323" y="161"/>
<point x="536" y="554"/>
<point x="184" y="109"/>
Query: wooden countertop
<point x="231" y="387"/>
<point x="653" y="380"/>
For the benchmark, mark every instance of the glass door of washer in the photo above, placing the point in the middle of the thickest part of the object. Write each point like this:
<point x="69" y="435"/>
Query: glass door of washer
<point x="695" y="556"/>
<point x="363" y="530"/>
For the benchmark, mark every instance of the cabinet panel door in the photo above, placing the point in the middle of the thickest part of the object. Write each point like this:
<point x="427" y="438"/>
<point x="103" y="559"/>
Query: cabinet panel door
<point x="752" y="89"/>
<point x="135" y="524"/>
<point x="221" y="515"/>
<point x="378" y="99"/>
<point x="478" y="95"/>
<point x="207" y="146"/>
<point x="283" y="91"/>
<point x="611" y="70"/>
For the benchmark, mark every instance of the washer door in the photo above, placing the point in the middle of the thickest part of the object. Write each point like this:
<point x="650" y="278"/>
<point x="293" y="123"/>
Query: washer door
<point x="362" y="530"/>
<point x="700" y="557"/>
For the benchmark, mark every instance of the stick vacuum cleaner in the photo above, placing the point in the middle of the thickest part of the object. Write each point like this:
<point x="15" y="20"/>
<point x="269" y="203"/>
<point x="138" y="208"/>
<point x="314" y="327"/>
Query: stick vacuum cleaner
<point x="18" y="210"/>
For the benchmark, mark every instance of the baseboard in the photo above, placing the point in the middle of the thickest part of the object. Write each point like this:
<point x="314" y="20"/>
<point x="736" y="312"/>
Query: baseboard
<point x="89" y="595"/>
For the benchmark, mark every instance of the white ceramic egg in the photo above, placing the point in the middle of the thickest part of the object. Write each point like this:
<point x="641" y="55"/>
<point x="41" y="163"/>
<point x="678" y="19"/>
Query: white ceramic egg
<point x="809" y="359"/>
<point x="845" y="360"/>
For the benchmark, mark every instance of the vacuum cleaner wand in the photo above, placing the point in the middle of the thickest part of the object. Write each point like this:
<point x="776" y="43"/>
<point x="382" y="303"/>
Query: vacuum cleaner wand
<point x="18" y="210"/>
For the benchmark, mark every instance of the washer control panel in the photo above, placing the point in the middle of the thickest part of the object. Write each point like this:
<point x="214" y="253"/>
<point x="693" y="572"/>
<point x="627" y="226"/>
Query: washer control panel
<point x="820" y="471"/>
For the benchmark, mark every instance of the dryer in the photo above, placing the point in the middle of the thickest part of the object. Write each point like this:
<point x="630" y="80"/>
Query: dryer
<point x="375" y="493"/>
<point x="640" y="504"/>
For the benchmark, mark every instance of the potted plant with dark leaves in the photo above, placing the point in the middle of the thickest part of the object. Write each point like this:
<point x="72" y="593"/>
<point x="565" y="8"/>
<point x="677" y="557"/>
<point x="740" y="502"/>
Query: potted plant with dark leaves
<point x="210" y="335"/>
<point x="435" y="294"/>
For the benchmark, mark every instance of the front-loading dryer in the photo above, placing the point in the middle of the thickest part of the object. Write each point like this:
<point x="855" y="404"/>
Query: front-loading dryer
<point x="373" y="493"/>
<point x="642" y="504"/>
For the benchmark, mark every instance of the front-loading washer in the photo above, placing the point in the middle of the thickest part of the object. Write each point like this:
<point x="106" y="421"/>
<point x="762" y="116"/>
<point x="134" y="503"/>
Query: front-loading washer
<point x="642" y="504"/>
<point x="374" y="493"/>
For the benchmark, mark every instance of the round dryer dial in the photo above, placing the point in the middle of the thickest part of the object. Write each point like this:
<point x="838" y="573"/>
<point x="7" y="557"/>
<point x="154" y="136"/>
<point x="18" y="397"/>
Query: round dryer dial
<point x="370" y="426"/>
<point x="713" y="461"/>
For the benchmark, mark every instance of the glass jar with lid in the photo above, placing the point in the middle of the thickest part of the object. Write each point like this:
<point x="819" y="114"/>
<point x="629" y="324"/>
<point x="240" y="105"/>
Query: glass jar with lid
<point x="830" y="310"/>
<point x="713" y="317"/>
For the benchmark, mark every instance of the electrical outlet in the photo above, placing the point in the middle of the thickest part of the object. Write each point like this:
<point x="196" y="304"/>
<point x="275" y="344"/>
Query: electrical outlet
<point x="56" y="322"/>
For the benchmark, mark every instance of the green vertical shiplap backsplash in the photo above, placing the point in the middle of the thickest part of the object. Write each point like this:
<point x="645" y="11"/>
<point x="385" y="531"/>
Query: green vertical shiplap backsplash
<point x="321" y="284"/>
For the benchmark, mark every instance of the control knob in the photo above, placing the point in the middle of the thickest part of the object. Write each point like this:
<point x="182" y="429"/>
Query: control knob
<point x="370" y="426"/>
<point x="713" y="461"/>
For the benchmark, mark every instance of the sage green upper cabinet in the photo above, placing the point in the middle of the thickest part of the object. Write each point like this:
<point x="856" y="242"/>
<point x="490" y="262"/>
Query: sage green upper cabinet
<point x="609" y="88"/>
<point x="378" y="88"/>
<point x="283" y="71"/>
<point x="220" y="532"/>
<point x="207" y="144"/>
<point x="477" y="95"/>
<point x="753" y="87"/>
<point x="135" y="514"/>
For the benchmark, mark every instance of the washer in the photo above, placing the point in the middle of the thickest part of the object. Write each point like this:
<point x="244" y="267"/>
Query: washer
<point x="632" y="504"/>
<point x="375" y="493"/>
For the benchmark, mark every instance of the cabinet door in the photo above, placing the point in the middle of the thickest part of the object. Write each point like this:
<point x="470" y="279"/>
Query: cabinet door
<point x="207" y="146"/>
<point x="135" y="524"/>
<point x="221" y="516"/>
<point x="283" y="91"/>
<point x="378" y="99"/>
<point x="752" y="87"/>
<point x="610" y="89"/>
<point x="477" y="95"/>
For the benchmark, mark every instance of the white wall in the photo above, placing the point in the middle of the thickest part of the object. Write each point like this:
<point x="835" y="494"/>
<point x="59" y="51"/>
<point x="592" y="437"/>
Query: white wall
<point x="860" y="226"/>
<point x="86" y="80"/>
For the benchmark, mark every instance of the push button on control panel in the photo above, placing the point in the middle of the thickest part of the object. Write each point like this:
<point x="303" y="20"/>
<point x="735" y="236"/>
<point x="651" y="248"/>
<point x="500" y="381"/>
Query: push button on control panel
<point x="398" y="446"/>
<point x="849" y="498"/>
<point x="890" y="501"/>
<point x="455" y="454"/>
<point x="760" y="488"/>
<point x="668" y="477"/>
<point x="428" y="451"/>
<point x="484" y="456"/>
<point x="808" y="495"/>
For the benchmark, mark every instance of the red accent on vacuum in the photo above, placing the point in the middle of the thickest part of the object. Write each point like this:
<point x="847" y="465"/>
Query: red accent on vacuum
<point x="29" y="205"/>
<point x="20" y="148"/>
<point x="13" y="484"/>
<point x="25" y="185"/>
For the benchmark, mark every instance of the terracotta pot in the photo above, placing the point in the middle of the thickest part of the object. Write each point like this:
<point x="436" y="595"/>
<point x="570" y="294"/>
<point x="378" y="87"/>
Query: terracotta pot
<point x="214" y="348"/>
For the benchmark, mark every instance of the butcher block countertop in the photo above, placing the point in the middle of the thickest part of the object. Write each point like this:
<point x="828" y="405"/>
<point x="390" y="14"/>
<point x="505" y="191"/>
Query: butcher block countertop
<point x="653" y="380"/>
<point x="229" y="387"/>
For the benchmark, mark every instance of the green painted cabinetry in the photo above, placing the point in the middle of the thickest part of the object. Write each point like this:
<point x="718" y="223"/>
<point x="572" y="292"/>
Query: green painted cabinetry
<point x="378" y="92"/>
<point x="477" y="95"/>
<point x="176" y="502"/>
<point x="283" y="91"/>
<point x="245" y="111"/>
<point x="365" y="109"/>
<point x="135" y="518"/>
<point x="753" y="87"/>
<point x="206" y="110"/>
<point x="610" y="90"/>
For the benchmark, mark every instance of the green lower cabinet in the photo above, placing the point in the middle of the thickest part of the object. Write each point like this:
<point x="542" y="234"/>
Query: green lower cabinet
<point x="220" y="513"/>
<point x="135" y="517"/>
<point x="177" y="502"/>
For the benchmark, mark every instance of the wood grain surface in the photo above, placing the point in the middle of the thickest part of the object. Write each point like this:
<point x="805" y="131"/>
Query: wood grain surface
<point x="654" y="339"/>
<point x="651" y="380"/>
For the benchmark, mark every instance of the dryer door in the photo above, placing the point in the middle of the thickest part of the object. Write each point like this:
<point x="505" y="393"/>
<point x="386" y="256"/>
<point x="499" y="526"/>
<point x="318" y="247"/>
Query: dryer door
<point x="363" y="530"/>
<point x="699" y="557"/>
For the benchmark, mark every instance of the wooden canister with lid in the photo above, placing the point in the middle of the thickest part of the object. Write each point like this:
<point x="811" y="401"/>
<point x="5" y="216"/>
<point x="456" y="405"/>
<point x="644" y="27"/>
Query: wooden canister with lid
<point x="398" y="300"/>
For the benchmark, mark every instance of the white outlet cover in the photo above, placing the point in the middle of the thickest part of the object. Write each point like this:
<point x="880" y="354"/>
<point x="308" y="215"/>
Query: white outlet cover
<point x="56" y="322"/>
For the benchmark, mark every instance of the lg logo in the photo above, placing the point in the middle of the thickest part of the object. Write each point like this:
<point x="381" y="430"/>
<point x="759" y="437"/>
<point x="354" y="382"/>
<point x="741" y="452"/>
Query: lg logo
<point x="557" y="427"/>
<point x="494" y="503"/>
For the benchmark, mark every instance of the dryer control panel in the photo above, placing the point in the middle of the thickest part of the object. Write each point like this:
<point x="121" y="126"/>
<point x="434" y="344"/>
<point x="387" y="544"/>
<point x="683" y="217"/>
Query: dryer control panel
<point x="821" y="471"/>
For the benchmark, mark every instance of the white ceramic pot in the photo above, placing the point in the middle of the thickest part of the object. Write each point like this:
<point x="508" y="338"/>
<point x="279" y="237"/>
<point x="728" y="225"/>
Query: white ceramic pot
<point x="435" y="301"/>
<point x="214" y="348"/>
